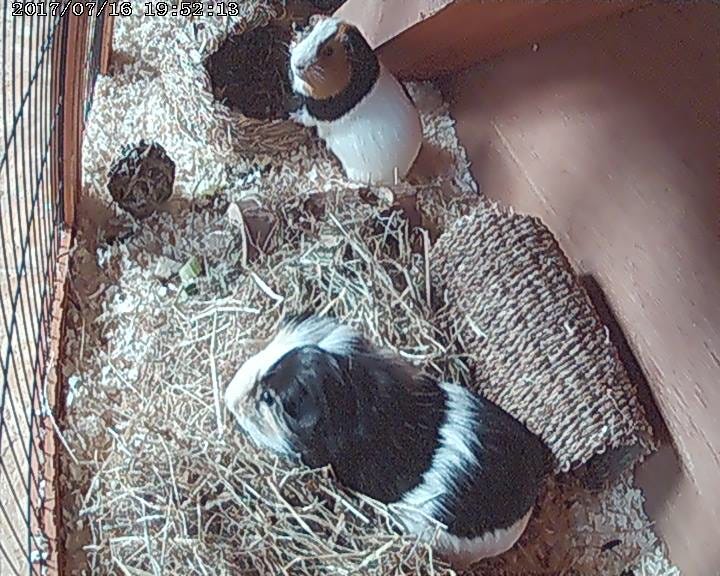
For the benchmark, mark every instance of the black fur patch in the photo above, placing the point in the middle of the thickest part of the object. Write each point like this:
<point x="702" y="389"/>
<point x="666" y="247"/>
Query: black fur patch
<point x="377" y="422"/>
<point x="374" y="422"/>
<point x="365" y="73"/>
<point x="512" y="464"/>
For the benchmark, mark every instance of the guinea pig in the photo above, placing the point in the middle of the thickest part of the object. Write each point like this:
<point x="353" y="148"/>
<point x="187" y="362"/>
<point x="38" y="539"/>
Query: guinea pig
<point x="360" y="110"/>
<point x="464" y="473"/>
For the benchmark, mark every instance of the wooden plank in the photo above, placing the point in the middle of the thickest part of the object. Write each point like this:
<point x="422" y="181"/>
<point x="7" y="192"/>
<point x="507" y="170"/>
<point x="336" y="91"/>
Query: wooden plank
<point x="106" y="48"/>
<point x="73" y="95"/>
<point x="423" y="39"/>
<point x="57" y="74"/>
<point x="610" y="135"/>
<point x="52" y="525"/>
<point x="64" y="176"/>
<point x="382" y="20"/>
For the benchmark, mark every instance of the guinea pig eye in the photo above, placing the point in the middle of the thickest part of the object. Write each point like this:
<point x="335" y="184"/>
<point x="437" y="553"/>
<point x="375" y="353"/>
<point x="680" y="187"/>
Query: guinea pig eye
<point x="328" y="51"/>
<point x="266" y="397"/>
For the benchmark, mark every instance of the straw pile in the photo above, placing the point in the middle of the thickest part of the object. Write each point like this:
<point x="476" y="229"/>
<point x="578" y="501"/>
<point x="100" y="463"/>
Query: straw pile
<point x="167" y="482"/>
<point x="156" y="480"/>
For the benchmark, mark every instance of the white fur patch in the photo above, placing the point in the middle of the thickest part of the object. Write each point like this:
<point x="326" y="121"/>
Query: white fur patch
<point x="463" y="552"/>
<point x="451" y="459"/>
<point x="270" y="437"/>
<point x="304" y="53"/>
<point x="380" y="138"/>
<point x="326" y="333"/>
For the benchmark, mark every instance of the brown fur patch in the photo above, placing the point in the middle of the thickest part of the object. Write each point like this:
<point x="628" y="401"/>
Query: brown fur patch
<point x="343" y="31"/>
<point x="331" y="72"/>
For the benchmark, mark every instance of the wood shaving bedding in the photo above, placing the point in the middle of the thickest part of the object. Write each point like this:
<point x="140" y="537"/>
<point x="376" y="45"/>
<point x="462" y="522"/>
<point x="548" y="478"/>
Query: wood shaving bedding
<point x="163" y="484"/>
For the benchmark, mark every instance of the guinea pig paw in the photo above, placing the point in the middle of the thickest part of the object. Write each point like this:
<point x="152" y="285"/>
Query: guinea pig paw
<point x="302" y="117"/>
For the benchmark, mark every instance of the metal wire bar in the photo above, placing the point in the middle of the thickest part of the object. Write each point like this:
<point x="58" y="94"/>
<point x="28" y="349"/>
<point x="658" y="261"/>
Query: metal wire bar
<point x="34" y="62"/>
<point x="22" y="319"/>
<point x="16" y="302"/>
<point x="28" y="305"/>
<point x="24" y="288"/>
<point x="20" y="177"/>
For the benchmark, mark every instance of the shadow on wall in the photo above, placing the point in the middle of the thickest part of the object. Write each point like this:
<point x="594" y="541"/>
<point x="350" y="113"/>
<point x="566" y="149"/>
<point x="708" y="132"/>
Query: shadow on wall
<point x="666" y="482"/>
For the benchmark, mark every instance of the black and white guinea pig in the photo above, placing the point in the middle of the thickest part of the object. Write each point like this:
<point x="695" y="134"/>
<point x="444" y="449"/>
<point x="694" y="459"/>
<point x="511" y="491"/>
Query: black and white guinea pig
<point x="360" y="110"/>
<point x="319" y="390"/>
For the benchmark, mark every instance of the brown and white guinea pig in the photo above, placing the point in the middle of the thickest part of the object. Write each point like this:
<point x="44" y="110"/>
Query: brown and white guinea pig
<point x="319" y="390"/>
<point x="360" y="110"/>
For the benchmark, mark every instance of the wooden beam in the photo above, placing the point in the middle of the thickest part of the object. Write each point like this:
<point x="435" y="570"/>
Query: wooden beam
<point x="51" y="518"/>
<point x="57" y="75"/>
<point x="422" y="39"/>
<point x="610" y="136"/>
<point x="72" y="98"/>
<point x="382" y="20"/>
<point x="67" y="83"/>
<point x="106" y="48"/>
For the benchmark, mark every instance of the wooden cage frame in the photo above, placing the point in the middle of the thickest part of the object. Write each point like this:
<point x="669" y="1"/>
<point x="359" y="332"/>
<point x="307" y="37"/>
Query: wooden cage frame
<point x="69" y="88"/>
<point x="417" y="39"/>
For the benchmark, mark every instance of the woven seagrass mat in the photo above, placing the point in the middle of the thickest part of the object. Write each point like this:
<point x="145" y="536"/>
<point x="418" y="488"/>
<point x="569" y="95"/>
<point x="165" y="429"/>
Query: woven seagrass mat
<point x="534" y="340"/>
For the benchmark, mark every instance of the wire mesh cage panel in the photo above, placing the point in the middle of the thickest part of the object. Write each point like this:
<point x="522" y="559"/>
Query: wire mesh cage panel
<point x="49" y="65"/>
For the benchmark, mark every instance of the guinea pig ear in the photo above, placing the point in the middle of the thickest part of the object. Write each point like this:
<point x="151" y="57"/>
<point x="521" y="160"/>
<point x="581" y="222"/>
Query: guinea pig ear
<point x="300" y="406"/>
<point x="315" y="18"/>
<point x="299" y="381"/>
<point x="355" y="43"/>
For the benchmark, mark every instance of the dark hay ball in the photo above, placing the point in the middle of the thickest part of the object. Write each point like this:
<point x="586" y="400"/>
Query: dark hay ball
<point x="249" y="72"/>
<point x="142" y="178"/>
